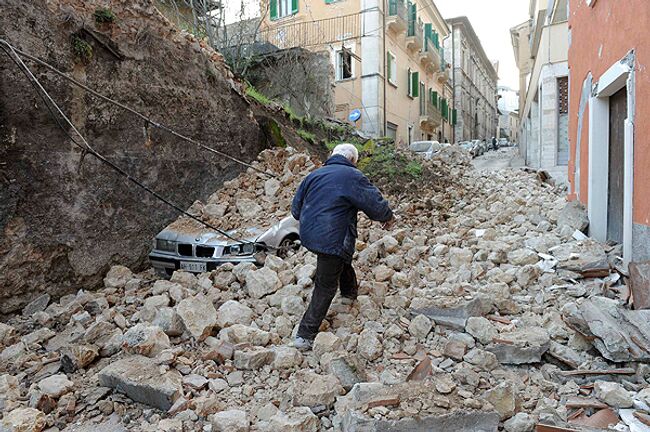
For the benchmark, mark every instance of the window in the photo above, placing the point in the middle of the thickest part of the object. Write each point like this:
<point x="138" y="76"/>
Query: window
<point x="391" y="68"/>
<point x="343" y="64"/>
<point x="283" y="8"/>
<point x="414" y="83"/>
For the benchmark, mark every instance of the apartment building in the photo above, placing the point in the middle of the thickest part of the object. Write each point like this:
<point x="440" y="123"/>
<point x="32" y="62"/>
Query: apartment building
<point x="541" y="50"/>
<point x="608" y="54"/>
<point x="474" y="81"/>
<point x="391" y="77"/>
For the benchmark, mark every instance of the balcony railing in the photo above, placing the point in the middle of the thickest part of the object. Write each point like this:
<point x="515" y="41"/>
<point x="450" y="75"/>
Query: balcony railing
<point x="396" y="19"/>
<point x="430" y="56"/>
<point x="430" y="117"/>
<point x="414" y="36"/>
<point x="313" y="33"/>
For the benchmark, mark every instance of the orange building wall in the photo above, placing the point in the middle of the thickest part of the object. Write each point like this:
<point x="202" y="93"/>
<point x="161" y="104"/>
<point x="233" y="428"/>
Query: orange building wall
<point x="601" y="35"/>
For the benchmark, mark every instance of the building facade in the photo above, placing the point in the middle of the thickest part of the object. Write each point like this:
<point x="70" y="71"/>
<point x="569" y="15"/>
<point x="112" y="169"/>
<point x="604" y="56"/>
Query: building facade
<point x="474" y="81"/>
<point x="544" y="114"/>
<point x="508" y="104"/>
<point x="393" y="72"/>
<point x="610" y="85"/>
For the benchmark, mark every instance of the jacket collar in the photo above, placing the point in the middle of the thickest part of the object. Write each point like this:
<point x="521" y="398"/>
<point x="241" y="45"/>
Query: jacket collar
<point x="339" y="160"/>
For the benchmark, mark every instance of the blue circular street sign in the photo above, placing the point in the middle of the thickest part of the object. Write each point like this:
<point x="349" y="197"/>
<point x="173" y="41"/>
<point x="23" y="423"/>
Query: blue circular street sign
<point x="354" y="115"/>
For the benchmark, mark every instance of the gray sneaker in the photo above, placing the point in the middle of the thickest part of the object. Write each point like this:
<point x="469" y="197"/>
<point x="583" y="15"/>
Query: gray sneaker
<point x="302" y="343"/>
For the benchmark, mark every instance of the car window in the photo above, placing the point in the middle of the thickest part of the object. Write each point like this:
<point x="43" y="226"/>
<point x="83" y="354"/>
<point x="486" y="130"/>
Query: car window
<point x="421" y="146"/>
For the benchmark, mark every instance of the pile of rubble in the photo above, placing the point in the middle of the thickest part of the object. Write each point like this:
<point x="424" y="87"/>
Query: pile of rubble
<point x="485" y="308"/>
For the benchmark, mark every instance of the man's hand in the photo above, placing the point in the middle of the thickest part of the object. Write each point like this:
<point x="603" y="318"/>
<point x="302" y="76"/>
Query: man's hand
<point x="389" y="223"/>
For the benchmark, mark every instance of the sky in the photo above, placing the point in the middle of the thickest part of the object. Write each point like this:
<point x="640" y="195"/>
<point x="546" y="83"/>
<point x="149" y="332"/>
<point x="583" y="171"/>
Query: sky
<point x="491" y="19"/>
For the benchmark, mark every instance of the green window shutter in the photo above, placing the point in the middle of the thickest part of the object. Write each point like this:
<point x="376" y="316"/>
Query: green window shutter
<point x="274" y="9"/>
<point x="454" y="114"/>
<point x="329" y="1"/>
<point x="294" y="6"/>
<point x="434" y="99"/>
<point x="415" y="78"/>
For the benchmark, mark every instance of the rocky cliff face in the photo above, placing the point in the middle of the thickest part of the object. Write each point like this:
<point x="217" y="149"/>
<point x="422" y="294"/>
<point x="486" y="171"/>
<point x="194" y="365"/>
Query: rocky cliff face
<point x="65" y="218"/>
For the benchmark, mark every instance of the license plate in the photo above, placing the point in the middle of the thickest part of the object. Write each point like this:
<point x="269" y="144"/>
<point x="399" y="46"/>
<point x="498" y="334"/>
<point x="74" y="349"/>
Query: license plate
<point x="196" y="267"/>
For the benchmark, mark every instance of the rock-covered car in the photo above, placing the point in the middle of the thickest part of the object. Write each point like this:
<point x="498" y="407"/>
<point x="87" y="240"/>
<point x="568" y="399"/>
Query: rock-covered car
<point x="427" y="149"/>
<point x="183" y="246"/>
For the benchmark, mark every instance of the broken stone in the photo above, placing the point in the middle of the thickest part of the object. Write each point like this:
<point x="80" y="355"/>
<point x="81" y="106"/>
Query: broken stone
<point x="455" y="349"/>
<point x="233" y="312"/>
<point x="77" y="357"/>
<point x="195" y="381"/>
<point x="117" y="277"/>
<point x="37" y="305"/>
<point x="346" y="372"/>
<point x="262" y="282"/>
<point x="198" y="316"/>
<point x="239" y="333"/>
<point x="619" y="334"/>
<point x="286" y="357"/>
<point x="56" y="385"/>
<point x="460" y="257"/>
<point x="300" y="419"/>
<point x="613" y="394"/>
<point x="522" y="257"/>
<point x="483" y="359"/>
<point x="253" y="358"/>
<point x="481" y="329"/>
<point x="521" y="422"/>
<point x="574" y="215"/>
<point x="169" y="321"/>
<point x="311" y="389"/>
<point x="230" y="421"/>
<point x="453" y="315"/>
<point x="420" y="326"/>
<point x="145" y="340"/>
<point x="502" y="398"/>
<point x="23" y="420"/>
<point x="326" y="342"/>
<point x="141" y="379"/>
<point x="369" y="345"/>
<point x="521" y="346"/>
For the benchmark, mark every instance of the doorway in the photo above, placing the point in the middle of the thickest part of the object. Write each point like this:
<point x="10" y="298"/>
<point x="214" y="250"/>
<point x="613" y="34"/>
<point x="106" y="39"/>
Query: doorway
<point x="616" y="178"/>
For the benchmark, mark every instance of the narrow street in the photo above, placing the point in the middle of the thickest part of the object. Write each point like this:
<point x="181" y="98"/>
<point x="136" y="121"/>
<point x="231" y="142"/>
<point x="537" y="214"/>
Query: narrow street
<point x="507" y="157"/>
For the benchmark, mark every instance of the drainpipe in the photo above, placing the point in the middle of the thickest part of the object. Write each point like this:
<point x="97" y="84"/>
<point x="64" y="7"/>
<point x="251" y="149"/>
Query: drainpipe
<point x="453" y="79"/>
<point x="385" y="3"/>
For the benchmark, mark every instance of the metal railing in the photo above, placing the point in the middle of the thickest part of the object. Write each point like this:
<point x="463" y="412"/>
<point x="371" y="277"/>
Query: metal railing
<point x="415" y="29"/>
<point x="313" y="33"/>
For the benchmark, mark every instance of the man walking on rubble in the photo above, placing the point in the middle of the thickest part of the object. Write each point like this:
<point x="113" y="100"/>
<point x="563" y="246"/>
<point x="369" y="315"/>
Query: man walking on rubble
<point x="326" y="204"/>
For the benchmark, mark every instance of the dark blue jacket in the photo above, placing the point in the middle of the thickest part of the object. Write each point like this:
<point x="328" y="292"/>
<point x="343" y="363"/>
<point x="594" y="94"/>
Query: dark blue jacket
<point x="327" y="203"/>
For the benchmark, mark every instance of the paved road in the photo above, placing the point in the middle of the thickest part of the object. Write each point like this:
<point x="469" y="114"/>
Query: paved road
<point x="498" y="159"/>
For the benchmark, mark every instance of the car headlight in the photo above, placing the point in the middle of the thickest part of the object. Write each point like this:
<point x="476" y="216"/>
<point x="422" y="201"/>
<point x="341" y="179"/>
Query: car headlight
<point x="240" y="249"/>
<point x="165" y="245"/>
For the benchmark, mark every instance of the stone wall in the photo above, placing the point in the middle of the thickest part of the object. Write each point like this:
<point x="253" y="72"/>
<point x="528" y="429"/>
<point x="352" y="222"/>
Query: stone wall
<point x="65" y="218"/>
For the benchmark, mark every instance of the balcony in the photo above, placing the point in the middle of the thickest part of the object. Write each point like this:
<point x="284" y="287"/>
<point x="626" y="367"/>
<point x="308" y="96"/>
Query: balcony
<point x="430" y="117"/>
<point x="430" y="56"/>
<point x="396" y="19"/>
<point x="415" y="35"/>
<point x="443" y="75"/>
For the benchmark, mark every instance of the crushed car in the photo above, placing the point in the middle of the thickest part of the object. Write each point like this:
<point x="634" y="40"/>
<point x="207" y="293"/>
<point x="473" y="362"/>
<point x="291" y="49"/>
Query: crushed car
<point x="184" y="246"/>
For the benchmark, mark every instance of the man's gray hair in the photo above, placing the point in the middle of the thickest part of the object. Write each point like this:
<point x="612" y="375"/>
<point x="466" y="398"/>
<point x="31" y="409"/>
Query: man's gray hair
<point x="349" y="151"/>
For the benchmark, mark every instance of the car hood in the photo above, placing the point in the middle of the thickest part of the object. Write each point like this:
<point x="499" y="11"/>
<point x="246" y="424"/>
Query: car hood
<point x="209" y="237"/>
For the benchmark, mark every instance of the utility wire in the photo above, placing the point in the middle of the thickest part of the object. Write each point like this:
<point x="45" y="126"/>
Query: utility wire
<point x="86" y="147"/>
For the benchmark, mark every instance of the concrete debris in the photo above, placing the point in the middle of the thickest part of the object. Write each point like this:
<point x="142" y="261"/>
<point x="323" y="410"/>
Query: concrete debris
<point x="143" y="381"/>
<point x="640" y="284"/>
<point x="574" y="215"/>
<point x="480" y="313"/>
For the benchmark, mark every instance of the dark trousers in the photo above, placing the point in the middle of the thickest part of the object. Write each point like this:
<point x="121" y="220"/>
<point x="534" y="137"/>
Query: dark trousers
<point x="332" y="272"/>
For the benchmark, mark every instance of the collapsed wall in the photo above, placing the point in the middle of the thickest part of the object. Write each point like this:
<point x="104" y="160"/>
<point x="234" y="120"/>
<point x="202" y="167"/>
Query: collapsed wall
<point x="66" y="218"/>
